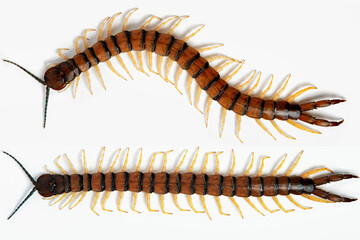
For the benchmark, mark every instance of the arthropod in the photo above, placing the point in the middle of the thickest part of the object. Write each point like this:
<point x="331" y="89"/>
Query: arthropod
<point x="208" y="78"/>
<point x="73" y="187"/>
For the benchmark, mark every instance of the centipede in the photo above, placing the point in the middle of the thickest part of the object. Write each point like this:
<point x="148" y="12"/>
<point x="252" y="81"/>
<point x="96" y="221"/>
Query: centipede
<point x="71" y="189"/>
<point x="208" y="78"/>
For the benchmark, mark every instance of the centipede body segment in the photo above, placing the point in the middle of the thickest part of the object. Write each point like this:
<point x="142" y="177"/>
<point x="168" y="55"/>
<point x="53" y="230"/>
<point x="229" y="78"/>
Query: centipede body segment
<point x="77" y="185"/>
<point x="188" y="58"/>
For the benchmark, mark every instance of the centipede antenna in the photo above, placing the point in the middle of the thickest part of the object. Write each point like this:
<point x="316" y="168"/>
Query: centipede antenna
<point x="36" y="78"/>
<point x="23" y="168"/>
<point x="46" y="104"/>
<point x="27" y="197"/>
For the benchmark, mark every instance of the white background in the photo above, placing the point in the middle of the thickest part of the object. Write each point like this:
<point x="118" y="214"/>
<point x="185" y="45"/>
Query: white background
<point x="317" y="42"/>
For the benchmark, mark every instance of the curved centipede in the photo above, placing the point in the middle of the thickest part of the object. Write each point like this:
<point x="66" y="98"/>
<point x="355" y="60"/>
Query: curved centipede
<point x="76" y="186"/>
<point x="165" y="44"/>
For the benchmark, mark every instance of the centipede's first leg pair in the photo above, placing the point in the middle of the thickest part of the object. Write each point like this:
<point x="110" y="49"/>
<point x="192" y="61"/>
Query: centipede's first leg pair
<point x="77" y="185"/>
<point x="165" y="44"/>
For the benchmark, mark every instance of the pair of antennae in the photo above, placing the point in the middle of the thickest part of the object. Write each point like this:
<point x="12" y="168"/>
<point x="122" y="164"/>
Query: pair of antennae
<point x="40" y="81"/>
<point x="31" y="179"/>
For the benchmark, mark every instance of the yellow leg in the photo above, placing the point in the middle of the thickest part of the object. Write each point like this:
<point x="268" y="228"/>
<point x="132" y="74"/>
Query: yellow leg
<point x="278" y="167"/>
<point x="58" y="165"/>
<point x="204" y="205"/>
<point x="200" y="50"/>
<point x="70" y="163"/>
<point x="127" y="19"/>
<point x="151" y="62"/>
<point x="162" y="204"/>
<point x="80" y="199"/>
<point x="237" y="206"/>
<point x="61" y="55"/>
<point x="297" y="204"/>
<point x="77" y="79"/>
<point x="217" y="168"/>
<point x="255" y="85"/>
<point x="316" y="199"/>
<point x="246" y="173"/>
<point x="134" y="203"/>
<point x="107" y="195"/>
<point x="214" y="58"/>
<point x="261" y="201"/>
<point x="139" y="162"/>
<point x="277" y="95"/>
<point x="262" y="95"/>
<point x="114" y="162"/>
<point x="123" y="65"/>
<point x="203" y="170"/>
<point x="247" y="82"/>
<point x="258" y="121"/>
<point x="238" y="123"/>
<point x="148" y="21"/>
<point x="193" y="34"/>
<point x="84" y="160"/>
<point x="94" y="203"/>
<point x="224" y="65"/>
<point x="252" y="205"/>
<point x="67" y="86"/>
<point x="101" y="159"/>
<point x="309" y="173"/>
<point x="139" y="54"/>
<point x="165" y="160"/>
<point x="233" y="164"/>
<point x="298" y="93"/>
<point x="126" y="160"/>
<point x="193" y="161"/>
<point x="121" y="196"/>
<point x="190" y="80"/>
<point x="97" y="69"/>
<point x="46" y="169"/>
<point x="280" y="130"/>
<point x="177" y="203"/>
<point x="164" y="23"/>
<point x="69" y="201"/>
<point x="159" y="64"/>
<point x="220" y="207"/>
<point x="111" y="23"/>
<point x="192" y="205"/>
<point x="301" y="127"/>
<point x="148" y="203"/>
<point x="177" y="24"/>
<point x="181" y="162"/>
<point x="152" y="162"/>
<point x="101" y="28"/>
<point x="59" y="199"/>
<point x="288" y="173"/>
<point x="198" y="93"/>
<point x="134" y="61"/>
<point x="168" y="66"/>
<point x="178" y="73"/>
<point x="261" y="166"/>
<point x="113" y="69"/>
<point x="227" y="79"/>
<point x="208" y="105"/>
<point x="50" y="198"/>
<point x="87" y="75"/>
<point x="223" y="118"/>
<point x="276" y="200"/>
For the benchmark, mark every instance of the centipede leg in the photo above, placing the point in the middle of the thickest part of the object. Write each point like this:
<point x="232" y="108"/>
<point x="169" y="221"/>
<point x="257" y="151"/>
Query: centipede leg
<point x="121" y="196"/>
<point x="193" y="161"/>
<point x="301" y="127"/>
<point x="252" y="205"/>
<point x="288" y="173"/>
<point x="277" y="95"/>
<point x="196" y="103"/>
<point x="148" y="21"/>
<point x="280" y="130"/>
<point x="148" y="203"/>
<point x="134" y="203"/>
<point x="250" y="166"/>
<point x="193" y="34"/>
<point x="208" y="105"/>
<point x="298" y="93"/>
<point x="200" y="50"/>
<point x="309" y="173"/>
<point x="139" y="54"/>
<point x="316" y="199"/>
<point x="238" y="124"/>
<point x="261" y="201"/>
<point x="107" y="195"/>
<point x="202" y="197"/>
<point x="278" y="167"/>
<point x="80" y="199"/>
<point x="62" y="55"/>
<point x="177" y="204"/>
<point x="162" y="204"/>
<point x="70" y="164"/>
<point x="231" y="172"/>
<point x="95" y="202"/>
<point x="69" y="201"/>
<point x="178" y="73"/>
<point x="190" y="80"/>
<point x="276" y="200"/>
<point x="297" y="204"/>
<point x="262" y="95"/>
<point x="59" y="199"/>
<point x="251" y="90"/>
<point x="192" y="205"/>
<point x="261" y="166"/>
<point x="177" y="169"/>
<point x="58" y="165"/>
<point x="101" y="159"/>
<point x="237" y="206"/>
<point x="123" y="65"/>
<point x="217" y="199"/>
<point x="223" y="118"/>
<point x="159" y="64"/>
<point x="168" y="66"/>
<point x="258" y="121"/>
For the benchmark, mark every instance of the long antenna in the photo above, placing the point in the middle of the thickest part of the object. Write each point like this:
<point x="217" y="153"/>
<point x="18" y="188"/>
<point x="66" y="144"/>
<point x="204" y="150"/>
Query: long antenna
<point x="27" y="197"/>
<point x="37" y="79"/>
<point x="46" y="104"/>
<point x="27" y="173"/>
